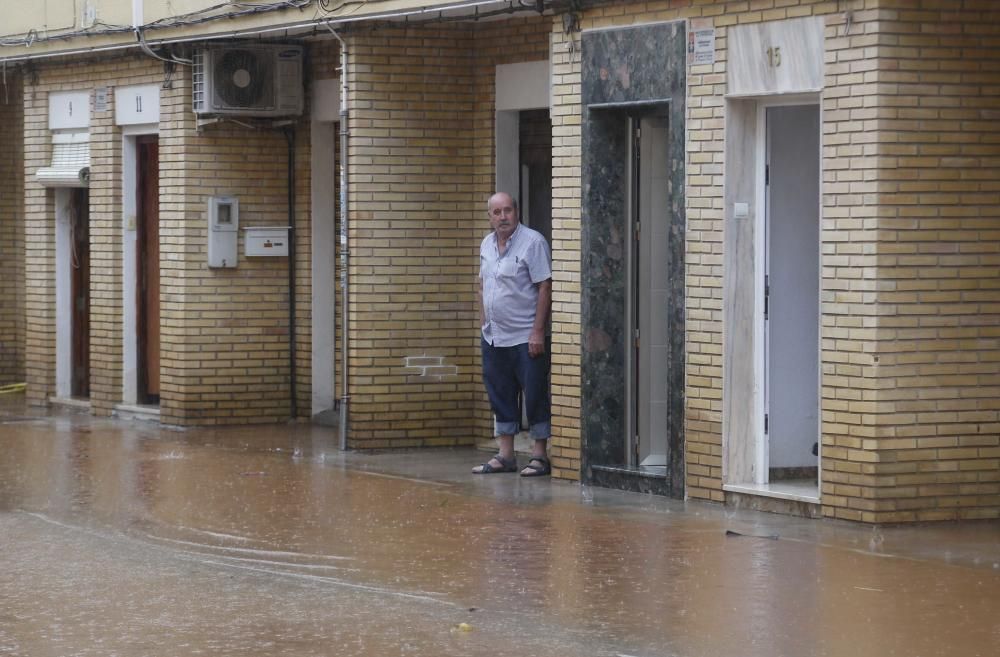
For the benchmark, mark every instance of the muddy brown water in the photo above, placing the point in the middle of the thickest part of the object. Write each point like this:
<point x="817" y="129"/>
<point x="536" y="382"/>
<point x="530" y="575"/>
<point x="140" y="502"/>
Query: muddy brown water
<point x="127" y="539"/>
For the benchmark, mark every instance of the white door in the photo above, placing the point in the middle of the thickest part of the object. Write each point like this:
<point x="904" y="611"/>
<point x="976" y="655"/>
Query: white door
<point x="792" y="287"/>
<point x="649" y="293"/>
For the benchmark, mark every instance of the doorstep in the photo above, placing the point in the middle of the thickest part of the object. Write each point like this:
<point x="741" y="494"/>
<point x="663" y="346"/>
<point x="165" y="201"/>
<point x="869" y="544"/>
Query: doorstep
<point x="796" y="498"/>
<point x="76" y="403"/>
<point x="141" y="412"/>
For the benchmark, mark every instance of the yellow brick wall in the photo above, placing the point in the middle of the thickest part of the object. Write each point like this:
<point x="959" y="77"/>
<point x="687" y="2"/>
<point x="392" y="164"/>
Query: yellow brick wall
<point x="909" y="339"/>
<point x="909" y="246"/>
<point x="106" y="310"/>
<point x="849" y="236"/>
<point x="705" y="207"/>
<point x="39" y="230"/>
<point x="422" y="167"/>
<point x="413" y="234"/>
<point x="936" y="354"/>
<point x="225" y="332"/>
<point x="566" y="256"/>
<point x="105" y="224"/>
<point x="11" y="232"/>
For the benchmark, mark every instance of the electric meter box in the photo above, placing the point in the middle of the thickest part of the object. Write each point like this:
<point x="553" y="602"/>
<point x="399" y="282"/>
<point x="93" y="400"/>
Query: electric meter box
<point x="265" y="241"/>
<point x="223" y="231"/>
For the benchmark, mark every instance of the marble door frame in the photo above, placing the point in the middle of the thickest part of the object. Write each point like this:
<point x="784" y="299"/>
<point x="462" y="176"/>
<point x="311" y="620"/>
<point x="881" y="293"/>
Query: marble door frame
<point x="745" y="446"/>
<point x="624" y="71"/>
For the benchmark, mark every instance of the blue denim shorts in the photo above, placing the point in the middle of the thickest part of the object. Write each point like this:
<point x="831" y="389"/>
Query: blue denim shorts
<point x="507" y="371"/>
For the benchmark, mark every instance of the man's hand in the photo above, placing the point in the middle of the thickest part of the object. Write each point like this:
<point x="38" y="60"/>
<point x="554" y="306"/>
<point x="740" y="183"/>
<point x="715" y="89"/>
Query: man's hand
<point x="536" y="344"/>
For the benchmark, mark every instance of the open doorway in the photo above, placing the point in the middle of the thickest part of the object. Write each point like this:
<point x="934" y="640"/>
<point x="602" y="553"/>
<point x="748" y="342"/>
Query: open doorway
<point x="535" y="164"/>
<point x="771" y="352"/>
<point x="524" y="170"/>
<point x="148" y="270"/>
<point x="635" y="297"/>
<point x="524" y="164"/>
<point x="791" y="309"/>
<point x="79" y="267"/>
<point x="325" y="223"/>
<point x="648" y="294"/>
<point x="72" y="307"/>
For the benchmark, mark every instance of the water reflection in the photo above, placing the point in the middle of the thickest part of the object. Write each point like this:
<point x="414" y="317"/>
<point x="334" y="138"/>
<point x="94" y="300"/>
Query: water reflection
<point x="237" y="540"/>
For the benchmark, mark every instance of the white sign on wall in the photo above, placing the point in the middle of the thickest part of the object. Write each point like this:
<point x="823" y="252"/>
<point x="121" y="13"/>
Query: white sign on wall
<point x="701" y="41"/>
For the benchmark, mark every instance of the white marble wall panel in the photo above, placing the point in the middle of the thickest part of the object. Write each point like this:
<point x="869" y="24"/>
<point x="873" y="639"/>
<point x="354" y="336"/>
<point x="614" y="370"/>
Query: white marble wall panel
<point x="739" y="386"/>
<point x="779" y="57"/>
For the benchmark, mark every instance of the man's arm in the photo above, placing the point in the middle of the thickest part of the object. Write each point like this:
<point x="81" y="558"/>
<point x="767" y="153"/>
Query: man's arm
<point x="536" y="341"/>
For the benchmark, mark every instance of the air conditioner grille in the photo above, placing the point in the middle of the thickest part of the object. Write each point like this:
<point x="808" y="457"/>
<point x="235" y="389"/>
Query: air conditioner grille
<point x="245" y="78"/>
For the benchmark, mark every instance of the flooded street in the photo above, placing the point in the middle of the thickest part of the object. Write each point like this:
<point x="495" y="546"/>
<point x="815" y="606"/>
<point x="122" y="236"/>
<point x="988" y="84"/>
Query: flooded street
<point x="127" y="539"/>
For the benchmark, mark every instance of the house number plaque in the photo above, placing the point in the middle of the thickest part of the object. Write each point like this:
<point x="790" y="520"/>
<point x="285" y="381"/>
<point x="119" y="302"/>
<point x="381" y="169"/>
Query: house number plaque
<point x="774" y="56"/>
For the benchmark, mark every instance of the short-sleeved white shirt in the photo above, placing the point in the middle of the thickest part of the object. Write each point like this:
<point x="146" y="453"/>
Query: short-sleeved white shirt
<point x="510" y="285"/>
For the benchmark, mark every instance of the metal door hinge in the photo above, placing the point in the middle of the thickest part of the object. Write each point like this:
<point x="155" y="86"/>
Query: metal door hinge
<point x="767" y="295"/>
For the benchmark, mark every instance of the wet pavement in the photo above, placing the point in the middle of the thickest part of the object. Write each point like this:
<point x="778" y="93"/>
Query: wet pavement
<point x="122" y="538"/>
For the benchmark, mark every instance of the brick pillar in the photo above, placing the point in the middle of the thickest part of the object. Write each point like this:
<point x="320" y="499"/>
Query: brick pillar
<point x="105" y="255"/>
<point x="413" y="262"/>
<point x="39" y="250"/>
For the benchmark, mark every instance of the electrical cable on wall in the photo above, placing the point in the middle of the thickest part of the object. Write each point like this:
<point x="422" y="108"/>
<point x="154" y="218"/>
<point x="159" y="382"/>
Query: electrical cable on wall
<point x="329" y="7"/>
<point x="191" y="18"/>
<point x="173" y="59"/>
<point x="246" y="9"/>
<point x="346" y="17"/>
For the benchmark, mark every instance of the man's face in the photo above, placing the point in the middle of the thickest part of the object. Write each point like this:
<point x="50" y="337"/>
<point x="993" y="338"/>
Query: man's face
<point x="503" y="215"/>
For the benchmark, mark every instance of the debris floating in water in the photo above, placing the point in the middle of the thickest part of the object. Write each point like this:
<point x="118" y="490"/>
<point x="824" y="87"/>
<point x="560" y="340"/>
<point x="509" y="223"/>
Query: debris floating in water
<point x="770" y="537"/>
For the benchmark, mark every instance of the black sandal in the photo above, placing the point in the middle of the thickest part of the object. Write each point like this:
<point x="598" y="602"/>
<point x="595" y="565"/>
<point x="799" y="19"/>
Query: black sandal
<point x="537" y="470"/>
<point x="506" y="465"/>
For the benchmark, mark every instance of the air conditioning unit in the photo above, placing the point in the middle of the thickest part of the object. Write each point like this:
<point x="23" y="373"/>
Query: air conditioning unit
<point x="248" y="80"/>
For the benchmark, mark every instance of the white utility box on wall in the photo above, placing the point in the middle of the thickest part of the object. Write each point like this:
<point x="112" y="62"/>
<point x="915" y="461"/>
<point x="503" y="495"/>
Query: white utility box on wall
<point x="266" y="241"/>
<point x="223" y="227"/>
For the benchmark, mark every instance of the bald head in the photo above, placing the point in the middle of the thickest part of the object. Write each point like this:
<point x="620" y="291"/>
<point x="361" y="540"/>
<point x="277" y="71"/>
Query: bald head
<point x="502" y="199"/>
<point x="502" y="211"/>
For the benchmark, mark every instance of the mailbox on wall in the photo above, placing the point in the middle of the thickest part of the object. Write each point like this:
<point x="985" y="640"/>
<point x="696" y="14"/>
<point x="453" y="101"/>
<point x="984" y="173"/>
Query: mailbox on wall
<point x="266" y="241"/>
<point x="223" y="229"/>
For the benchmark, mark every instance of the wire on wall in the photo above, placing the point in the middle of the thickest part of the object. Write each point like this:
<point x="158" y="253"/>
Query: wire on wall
<point x="212" y="13"/>
<point x="173" y="59"/>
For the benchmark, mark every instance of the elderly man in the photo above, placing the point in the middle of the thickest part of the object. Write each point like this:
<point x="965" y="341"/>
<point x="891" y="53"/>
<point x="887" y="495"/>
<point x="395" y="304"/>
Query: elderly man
<point x="515" y="292"/>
